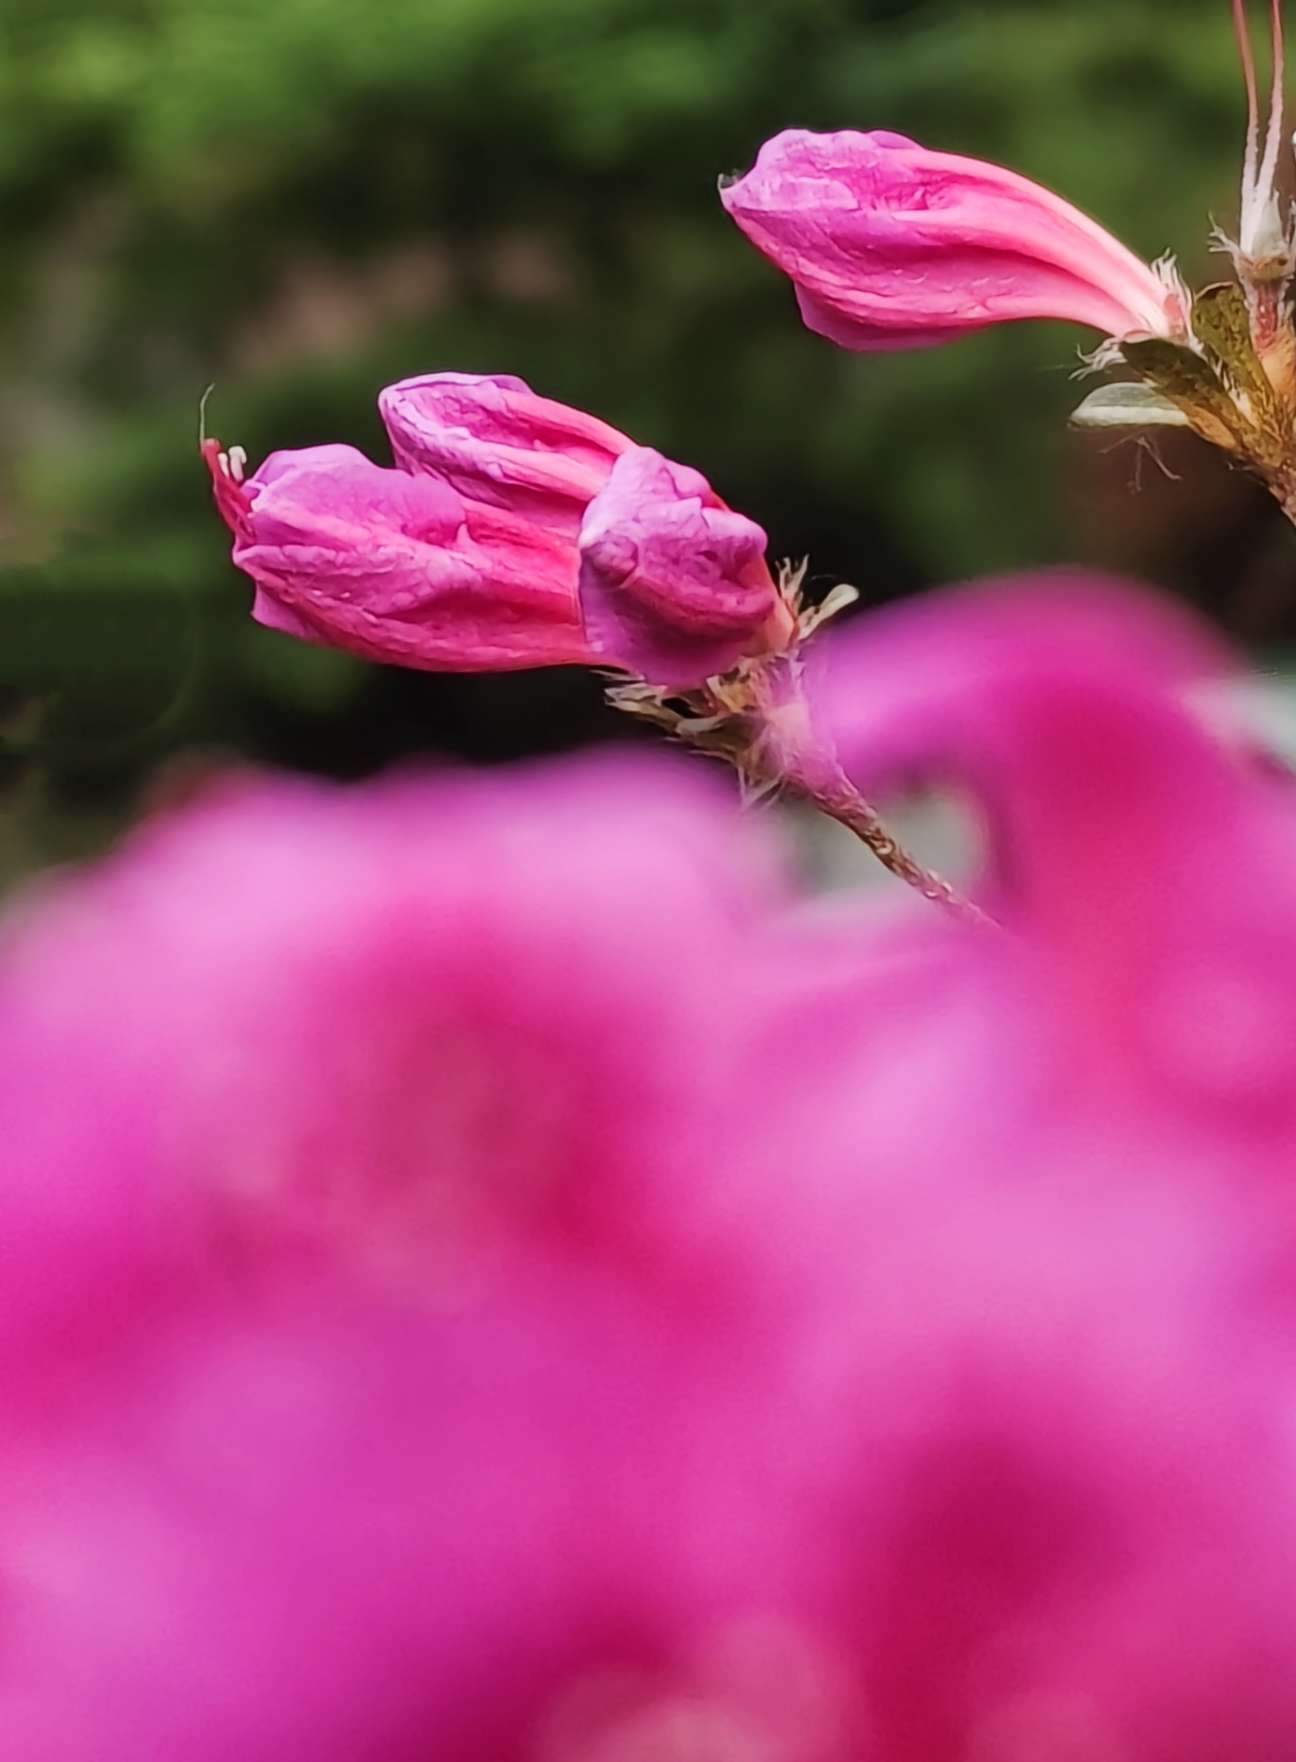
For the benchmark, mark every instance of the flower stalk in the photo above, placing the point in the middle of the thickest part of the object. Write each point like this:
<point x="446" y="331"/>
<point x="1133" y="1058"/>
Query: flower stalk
<point x="758" y="719"/>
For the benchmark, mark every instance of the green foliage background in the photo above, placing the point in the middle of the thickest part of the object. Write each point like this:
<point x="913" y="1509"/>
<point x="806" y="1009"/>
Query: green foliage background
<point x="300" y="200"/>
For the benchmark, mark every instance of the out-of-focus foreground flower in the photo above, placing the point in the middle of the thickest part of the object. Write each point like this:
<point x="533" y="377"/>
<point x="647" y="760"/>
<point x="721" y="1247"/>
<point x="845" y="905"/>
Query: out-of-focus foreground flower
<point x="487" y="1272"/>
<point x="516" y="532"/>
<point x="891" y="245"/>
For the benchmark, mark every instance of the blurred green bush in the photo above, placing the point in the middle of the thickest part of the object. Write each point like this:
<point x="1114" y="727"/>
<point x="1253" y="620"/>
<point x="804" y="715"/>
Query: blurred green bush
<point x="299" y="200"/>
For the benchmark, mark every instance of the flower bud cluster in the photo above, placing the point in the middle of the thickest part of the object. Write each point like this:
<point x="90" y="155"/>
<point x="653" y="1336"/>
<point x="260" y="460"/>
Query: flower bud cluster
<point x="512" y="532"/>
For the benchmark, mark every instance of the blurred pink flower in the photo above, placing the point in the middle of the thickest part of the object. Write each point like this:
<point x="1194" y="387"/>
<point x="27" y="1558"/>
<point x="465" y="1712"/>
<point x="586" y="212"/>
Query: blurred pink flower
<point x="1047" y="1457"/>
<point x="485" y="1269"/>
<point x="1137" y="845"/>
<point x="337" y="1124"/>
<point x="472" y="556"/>
<point x="460" y="1026"/>
<point x="306" y="1524"/>
<point x="891" y="245"/>
<point x="1045" y="1372"/>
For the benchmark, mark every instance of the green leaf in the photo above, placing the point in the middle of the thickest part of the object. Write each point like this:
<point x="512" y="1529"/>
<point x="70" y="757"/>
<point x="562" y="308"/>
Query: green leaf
<point x="1219" y="321"/>
<point x="1129" y="405"/>
<point x="1189" y="381"/>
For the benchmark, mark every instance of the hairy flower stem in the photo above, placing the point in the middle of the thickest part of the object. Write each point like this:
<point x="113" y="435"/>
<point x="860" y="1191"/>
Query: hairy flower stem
<point x="758" y="718"/>
<point x="792" y="753"/>
<point x="777" y="752"/>
<point x="824" y="785"/>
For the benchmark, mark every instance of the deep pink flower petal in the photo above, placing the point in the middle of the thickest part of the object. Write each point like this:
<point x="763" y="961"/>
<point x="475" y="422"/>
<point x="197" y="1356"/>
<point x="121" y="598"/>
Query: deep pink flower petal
<point x="390" y="566"/>
<point x="888" y="243"/>
<point x="228" y="492"/>
<point x="466" y="559"/>
<point x="496" y="442"/>
<point x="671" y="587"/>
<point x="899" y="687"/>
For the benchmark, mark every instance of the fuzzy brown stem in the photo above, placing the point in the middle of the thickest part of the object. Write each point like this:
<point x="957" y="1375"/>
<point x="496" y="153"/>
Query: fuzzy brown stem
<point x="792" y="752"/>
<point x="832" y="792"/>
<point x="758" y="720"/>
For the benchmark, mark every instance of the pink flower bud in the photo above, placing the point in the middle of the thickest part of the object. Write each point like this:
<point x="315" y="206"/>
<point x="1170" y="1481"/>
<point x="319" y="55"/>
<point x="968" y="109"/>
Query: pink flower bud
<point x="496" y="442"/>
<point x="510" y="522"/>
<point x="671" y="585"/>
<point x="392" y="566"/>
<point x="890" y="245"/>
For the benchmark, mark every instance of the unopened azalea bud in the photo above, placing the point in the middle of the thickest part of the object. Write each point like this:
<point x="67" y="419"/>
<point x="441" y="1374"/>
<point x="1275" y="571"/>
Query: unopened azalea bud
<point x="518" y="532"/>
<point x="890" y="245"/>
<point x="496" y="442"/>
<point x="671" y="585"/>
<point x="389" y="565"/>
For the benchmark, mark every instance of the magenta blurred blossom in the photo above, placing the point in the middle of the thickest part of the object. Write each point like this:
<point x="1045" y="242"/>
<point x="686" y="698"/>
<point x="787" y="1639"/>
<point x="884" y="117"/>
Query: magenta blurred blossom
<point x="1140" y="848"/>
<point x="891" y="245"/>
<point x="1068" y="1368"/>
<point x="438" y="1069"/>
<point x="410" y="1090"/>
<point x="670" y="582"/>
<point x="1053" y="1515"/>
<point x="486" y="1269"/>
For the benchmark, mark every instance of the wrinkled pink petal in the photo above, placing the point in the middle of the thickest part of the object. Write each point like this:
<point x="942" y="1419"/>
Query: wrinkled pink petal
<point x="495" y="441"/>
<point x="889" y="244"/>
<point x="391" y="566"/>
<point x="671" y="587"/>
<point x="467" y="558"/>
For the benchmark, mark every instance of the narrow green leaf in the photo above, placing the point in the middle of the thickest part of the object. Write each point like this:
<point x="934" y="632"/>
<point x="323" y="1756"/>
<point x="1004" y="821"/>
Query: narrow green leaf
<point x="1129" y="405"/>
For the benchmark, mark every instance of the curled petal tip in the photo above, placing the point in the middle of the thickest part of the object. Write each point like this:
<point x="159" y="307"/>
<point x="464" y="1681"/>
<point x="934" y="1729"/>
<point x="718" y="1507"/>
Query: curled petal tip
<point x="227" y="477"/>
